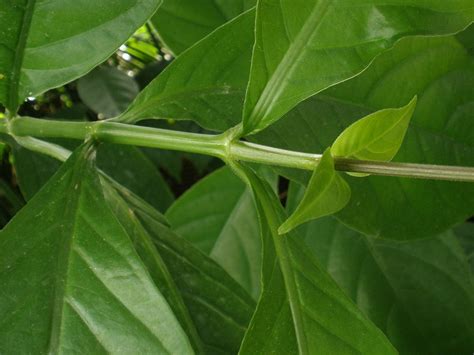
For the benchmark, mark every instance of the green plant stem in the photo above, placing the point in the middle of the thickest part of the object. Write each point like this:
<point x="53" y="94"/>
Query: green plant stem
<point x="53" y="150"/>
<point x="220" y="146"/>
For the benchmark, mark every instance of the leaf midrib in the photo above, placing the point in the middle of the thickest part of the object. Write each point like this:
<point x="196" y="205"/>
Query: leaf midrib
<point x="282" y="251"/>
<point x="19" y="56"/>
<point x="64" y="259"/>
<point x="286" y="66"/>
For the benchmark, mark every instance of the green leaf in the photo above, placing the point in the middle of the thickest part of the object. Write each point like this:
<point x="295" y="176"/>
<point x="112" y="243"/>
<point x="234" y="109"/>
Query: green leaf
<point x="420" y="293"/>
<point x="130" y="167"/>
<point x="225" y="226"/>
<point x="107" y="91"/>
<point x="440" y="132"/>
<point x="32" y="169"/>
<point x="71" y="276"/>
<point x="377" y="136"/>
<point x="127" y="165"/>
<point x="465" y="234"/>
<point x="44" y="45"/>
<point x="301" y="309"/>
<point x="10" y="202"/>
<point x="181" y="24"/>
<point x="326" y="194"/>
<point x="466" y="38"/>
<point x="220" y="308"/>
<point x="150" y="256"/>
<point x="206" y="83"/>
<point x="302" y="48"/>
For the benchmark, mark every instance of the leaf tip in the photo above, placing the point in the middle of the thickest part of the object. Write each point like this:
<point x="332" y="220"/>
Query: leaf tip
<point x="284" y="228"/>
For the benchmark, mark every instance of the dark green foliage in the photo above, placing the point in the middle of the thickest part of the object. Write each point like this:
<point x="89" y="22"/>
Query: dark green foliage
<point x="124" y="233"/>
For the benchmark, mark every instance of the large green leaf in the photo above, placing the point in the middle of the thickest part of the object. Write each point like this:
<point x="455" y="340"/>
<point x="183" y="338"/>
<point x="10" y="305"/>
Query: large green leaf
<point x="301" y="309"/>
<point x="44" y="44"/>
<point x="72" y="280"/>
<point x="220" y="308"/>
<point x="419" y="293"/>
<point x="206" y="83"/>
<point x="107" y="90"/>
<point x="149" y="254"/>
<point x="225" y="225"/>
<point x="181" y="23"/>
<point x="305" y="46"/>
<point x="440" y="132"/>
<point x="327" y="193"/>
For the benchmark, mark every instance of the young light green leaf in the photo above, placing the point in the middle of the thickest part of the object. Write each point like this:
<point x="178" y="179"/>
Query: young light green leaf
<point x="70" y="275"/>
<point x="43" y="45"/>
<point x="301" y="309"/>
<point x="440" y="132"/>
<point x="206" y="83"/>
<point x="377" y="136"/>
<point x="305" y="46"/>
<point x="326" y="194"/>
<point x="182" y="23"/>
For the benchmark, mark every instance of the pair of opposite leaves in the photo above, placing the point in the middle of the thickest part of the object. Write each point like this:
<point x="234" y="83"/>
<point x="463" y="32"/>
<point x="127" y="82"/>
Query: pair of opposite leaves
<point x="377" y="136"/>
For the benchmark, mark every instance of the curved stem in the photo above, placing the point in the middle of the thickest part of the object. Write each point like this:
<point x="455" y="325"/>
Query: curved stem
<point x="221" y="146"/>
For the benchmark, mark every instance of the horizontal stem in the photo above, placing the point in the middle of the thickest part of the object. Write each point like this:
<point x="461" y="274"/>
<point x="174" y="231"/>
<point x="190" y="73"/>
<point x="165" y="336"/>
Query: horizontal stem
<point x="222" y="147"/>
<point x="290" y="159"/>
<point x="118" y="133"/>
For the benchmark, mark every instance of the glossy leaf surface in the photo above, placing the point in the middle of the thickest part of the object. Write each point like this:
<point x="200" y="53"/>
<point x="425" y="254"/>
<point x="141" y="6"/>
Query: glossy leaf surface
<point x="107" y="91"/>
<point x="305" y="46"/>
<point x="301" y="309"/>
<point x="225" y="225"/>
<point x="440" y="132"/>
<point x="327" y="193"/>
<point x="72" y="279"/>
<point x="148" y="253"/>
<point x="419" y="293"/>
<point x="220" y="308"/>
<point x="206" y="84"/>
<point x="43" y="45"/>
<point x="377" y="136"/>
<point x="182" y="23"/>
